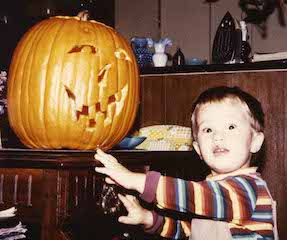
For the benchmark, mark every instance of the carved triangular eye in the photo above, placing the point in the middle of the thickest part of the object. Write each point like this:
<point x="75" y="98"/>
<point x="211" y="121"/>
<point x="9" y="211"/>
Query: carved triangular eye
<point x="122" y="54"/>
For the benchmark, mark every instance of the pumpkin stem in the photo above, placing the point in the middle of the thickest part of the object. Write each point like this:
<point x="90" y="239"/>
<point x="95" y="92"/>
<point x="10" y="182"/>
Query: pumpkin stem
<point x="83" y="15"/>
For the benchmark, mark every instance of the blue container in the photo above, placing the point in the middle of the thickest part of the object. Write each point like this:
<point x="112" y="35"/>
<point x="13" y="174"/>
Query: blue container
<point x="142" y="53"/>
<point x="131" y="142"/>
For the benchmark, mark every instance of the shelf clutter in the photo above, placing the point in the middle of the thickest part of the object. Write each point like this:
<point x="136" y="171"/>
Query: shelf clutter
<point x="259" y="57"/>
<point x="10" y="227"/>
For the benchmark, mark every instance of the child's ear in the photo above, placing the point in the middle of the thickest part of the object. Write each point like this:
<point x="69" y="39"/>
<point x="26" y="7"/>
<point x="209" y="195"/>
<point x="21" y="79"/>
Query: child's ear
<point x="257" y="141"/>
<point x="196" y="147"/>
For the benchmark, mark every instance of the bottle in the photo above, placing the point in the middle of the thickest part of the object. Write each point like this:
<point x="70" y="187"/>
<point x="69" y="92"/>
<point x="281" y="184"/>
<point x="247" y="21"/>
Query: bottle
<point x="245" y="46"/>
<point x="178" y="58"/>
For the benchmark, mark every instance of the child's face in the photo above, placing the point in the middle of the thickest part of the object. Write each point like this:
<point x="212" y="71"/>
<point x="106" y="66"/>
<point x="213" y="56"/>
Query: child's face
<point x="225" y="137"/>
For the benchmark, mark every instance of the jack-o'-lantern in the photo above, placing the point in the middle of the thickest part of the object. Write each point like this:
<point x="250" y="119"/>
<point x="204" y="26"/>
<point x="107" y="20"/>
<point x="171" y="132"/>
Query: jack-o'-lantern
<point x="73" y="84"/>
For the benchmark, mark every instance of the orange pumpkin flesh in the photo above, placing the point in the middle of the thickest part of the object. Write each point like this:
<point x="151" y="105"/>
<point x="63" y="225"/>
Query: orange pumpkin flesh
<point x="72" y="84"/>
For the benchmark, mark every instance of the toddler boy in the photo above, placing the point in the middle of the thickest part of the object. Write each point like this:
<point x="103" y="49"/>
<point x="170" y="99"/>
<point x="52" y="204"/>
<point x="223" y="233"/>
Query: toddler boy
<point x="227" y="126"/>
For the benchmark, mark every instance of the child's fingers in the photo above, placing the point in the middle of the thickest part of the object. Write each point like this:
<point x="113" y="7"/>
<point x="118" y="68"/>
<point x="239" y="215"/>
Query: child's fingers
<point x="106" y="156"/>
<point x="110" y="181"/>
<point x="107" y="161"/>
<point x="124" y="220"/>
<point x="125" y="201"/>
<point x="103" y="170"/>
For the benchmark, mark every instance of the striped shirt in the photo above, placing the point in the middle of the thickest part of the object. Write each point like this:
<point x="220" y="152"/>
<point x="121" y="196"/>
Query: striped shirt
<point x="240" y="199"/>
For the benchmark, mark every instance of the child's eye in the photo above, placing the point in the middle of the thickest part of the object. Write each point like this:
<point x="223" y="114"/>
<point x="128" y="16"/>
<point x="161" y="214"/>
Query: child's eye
<point x="207" y="130"/>
<point x="231" y="127"/>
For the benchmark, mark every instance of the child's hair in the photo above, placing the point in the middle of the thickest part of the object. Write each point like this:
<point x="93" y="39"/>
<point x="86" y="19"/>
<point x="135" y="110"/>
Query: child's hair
<point x="222" y="93"/>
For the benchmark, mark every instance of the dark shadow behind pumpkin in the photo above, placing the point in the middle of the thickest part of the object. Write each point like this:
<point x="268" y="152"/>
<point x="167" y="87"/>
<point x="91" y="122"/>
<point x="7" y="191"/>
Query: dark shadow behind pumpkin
<point x="8" y="138"/>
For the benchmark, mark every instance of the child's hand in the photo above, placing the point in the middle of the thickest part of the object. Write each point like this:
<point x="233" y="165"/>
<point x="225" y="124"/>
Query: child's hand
<point x="136" y="213"/>
<point x="118" y="174"/>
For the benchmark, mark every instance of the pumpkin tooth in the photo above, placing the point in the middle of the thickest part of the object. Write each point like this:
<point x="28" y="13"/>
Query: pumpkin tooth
<point x="78" y="106"/>
<point x="111" y="110"/>
<point x="104" y="104"/>
<point x="118" y="96"/>
<point x="92" y="112"/>
<point x="83" y="121"/>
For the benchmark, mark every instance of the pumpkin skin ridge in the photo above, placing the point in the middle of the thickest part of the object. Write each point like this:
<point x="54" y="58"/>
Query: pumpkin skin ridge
<point x="126" y="115"/>
<point x="46" y="141"/>
<point x="30" y="138"/>
<point x="52" y="142"/>
<point x="127" y="111"/>
<point x="60" y="97"/>
<point x="42" y="139"/>
<point x="11" y="83"/>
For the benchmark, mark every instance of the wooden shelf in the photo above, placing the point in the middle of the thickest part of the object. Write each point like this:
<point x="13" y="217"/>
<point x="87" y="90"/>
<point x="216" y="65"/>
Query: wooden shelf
<point x="264" y="65"/>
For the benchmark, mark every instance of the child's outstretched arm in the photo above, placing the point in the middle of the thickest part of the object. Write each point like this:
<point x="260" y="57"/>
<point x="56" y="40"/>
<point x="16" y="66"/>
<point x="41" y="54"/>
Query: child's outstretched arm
<point x="118" y="174"/>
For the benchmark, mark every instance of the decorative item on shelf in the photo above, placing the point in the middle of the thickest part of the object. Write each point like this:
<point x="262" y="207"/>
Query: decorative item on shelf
<point x="142" y="53"/>
<point x="90" y="101"/>
<point x="224" y="41"/>
<point x="196" y="61"/>
<point x="178" y="58"/>
<point x="237" y="43"/>
<point x="166" y="138"/>
<point x="160" y="58"/>
<point x="3" y="100"/>
<point x="245" y="46"/>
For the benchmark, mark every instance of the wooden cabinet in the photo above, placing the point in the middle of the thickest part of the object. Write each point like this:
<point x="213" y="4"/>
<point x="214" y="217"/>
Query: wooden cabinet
<point x="57" y="193"/>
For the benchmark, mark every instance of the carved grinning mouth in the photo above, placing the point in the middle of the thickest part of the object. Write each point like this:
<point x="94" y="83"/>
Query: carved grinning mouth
<point x="106" y="107"/>
<point x="90" y="112"/>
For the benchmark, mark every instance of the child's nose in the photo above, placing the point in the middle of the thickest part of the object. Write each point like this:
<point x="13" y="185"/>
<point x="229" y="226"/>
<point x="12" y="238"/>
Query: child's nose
<point x="218" y="135"/>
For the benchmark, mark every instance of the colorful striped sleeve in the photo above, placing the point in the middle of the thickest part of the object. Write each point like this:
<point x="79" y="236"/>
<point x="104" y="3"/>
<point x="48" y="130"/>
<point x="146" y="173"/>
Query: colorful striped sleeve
<point x="233" y="198"/>
<point x="175" y="229"/>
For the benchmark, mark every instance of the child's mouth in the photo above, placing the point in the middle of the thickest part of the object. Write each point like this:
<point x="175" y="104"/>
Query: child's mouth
<point x="220" y="151"/>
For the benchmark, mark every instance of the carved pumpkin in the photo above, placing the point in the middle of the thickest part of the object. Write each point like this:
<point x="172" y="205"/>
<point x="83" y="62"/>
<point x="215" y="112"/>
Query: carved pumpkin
<point x="73" y="84"/>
